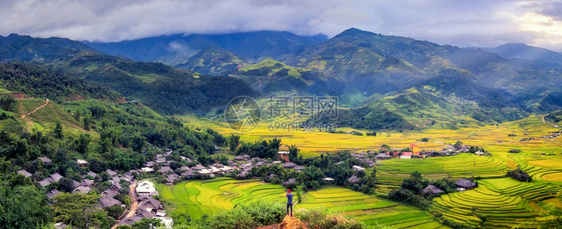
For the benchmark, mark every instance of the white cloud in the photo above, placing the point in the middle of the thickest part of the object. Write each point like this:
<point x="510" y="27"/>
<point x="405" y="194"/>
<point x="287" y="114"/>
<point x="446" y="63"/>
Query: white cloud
<point x="462" y="23"/>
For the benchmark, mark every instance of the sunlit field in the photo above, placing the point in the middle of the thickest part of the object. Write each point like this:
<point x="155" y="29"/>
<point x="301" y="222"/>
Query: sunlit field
<point x="198" y="198"/>
<point x="498" y="202"/>
<point x="493" y="138"/>
<point x="369" y="209"/>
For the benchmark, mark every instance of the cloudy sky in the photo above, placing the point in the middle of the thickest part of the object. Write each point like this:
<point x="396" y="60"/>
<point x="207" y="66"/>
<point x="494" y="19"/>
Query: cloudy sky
<point x="475" y="23"/>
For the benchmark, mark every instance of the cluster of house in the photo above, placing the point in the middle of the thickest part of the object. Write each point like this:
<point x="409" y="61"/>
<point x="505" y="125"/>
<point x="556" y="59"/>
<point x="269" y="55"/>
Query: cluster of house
<point x="86" y="185"/>
<point x="416" y="153"/>
<point x="353" y="179"/>
<point x="546" y="136"/>
<point x="242" y="163"/>
<point x="365" y="157"/>
<point x="146" y="206"/>
<point x="462" y="185"/>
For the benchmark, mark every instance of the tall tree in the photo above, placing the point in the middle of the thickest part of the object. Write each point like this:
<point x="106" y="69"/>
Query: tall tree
<point x="79" y="210"/>
<point x="87" y="122"/>
<point x="82" y="143"/>
<point x="58" y="129"/>
<point x="23" y="207"/>
<point x="233" y="142"/>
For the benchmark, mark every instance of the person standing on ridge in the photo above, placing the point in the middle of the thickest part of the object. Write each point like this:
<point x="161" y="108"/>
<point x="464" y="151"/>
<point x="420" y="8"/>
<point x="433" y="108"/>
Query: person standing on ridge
<point x="289" y="202"/>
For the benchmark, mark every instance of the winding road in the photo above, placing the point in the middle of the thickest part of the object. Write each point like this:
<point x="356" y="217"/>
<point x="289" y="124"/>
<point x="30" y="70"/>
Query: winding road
<point x="36" y="109"/>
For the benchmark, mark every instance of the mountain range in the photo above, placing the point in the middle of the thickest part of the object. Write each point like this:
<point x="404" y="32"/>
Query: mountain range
<point x="382" y="82"/>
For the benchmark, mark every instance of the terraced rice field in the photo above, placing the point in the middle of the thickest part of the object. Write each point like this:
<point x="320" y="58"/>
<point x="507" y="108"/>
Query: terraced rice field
<point x="369" y="209"/>
<point x="503" y="202"/>
<point x="459" y="166"/>
<point x="198" y="198"/>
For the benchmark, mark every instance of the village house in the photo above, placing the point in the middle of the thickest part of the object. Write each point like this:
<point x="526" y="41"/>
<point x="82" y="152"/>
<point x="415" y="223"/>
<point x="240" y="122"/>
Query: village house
<point x="432" y="190"/>
<point x="53" y="193"/>
<point x="382" y="156"/>
<point x="109" y="193"/>
<point x="290" y="181"/>
<point x="165" y="169"/>
<point x="353" y="179"/>
<point x="406" y="155"/>
<point x="357" y="168"/>
<point x="56" y="177"/>
<point x="92" y="174"/>
<point x="188" y="174"/>
<point x="75" y="184"/>
<point x="283" y="152"/>
<point x="214" y="170"/>
<point x="111" y="172"/>
<point x="227" y="169"/>
<point x="87" y="182"/>
<point x="289" y="165"/>
<point x="160" y="160"/>
<point x="171" y="178"/>
<point x="82" y="163"/>
<point x="25" y="173"/>
<point x="106" y="202"/>
<point x="146" y="188"/>
<point x="198" y="167"/>
<point x="147" y="169"/>
<point x="183" y="169"/>
<point x="149" y="204"/>
<point x="149" y="164"/>
<point x="464" y="184"/>
<point x="45" y="159"/>
<point x="129" y="221"/>
<point x="82" y="190"/>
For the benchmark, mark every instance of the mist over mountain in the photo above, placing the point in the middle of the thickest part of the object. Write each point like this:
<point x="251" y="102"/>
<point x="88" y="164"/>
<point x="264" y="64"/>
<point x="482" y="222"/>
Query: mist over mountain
<point x="250" y="45"/>
<point x="407" y="82"/>
<point x="543" y="56"/>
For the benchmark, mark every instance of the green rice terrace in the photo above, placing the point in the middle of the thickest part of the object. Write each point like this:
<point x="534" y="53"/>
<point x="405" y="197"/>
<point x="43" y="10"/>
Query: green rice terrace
<point x="499" y="203"/>
<point x="198" y="198"/>
<point x="369" y="209"/>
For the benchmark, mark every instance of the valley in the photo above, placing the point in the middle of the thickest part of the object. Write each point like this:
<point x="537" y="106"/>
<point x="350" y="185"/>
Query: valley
<point x="424" y="135"/>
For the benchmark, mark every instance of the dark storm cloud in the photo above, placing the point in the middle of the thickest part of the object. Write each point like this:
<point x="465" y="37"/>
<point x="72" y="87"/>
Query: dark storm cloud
<point x="462" y="23"/>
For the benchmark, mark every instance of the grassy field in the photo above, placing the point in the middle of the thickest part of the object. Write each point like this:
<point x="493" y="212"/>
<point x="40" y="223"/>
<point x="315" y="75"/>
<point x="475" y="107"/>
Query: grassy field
<point x="491" y="137"/>
<point x="369" y="209"/>
<point x="499" y="203"/>
<point x="198" y="198"/>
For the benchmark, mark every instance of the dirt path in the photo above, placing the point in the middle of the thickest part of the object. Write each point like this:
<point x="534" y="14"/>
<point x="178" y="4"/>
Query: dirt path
<point x="134" y="203"/>
<point x="36" y="109"/>
<point x="133" y="207"/>
<point x="288" y="223"/>
<point x="291" y="223"/>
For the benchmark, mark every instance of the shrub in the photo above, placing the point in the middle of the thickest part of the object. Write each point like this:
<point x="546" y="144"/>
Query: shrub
<point x="249" y="216"/>
<point x="514" y="151"/>
<point x="313" y="217"/>
<point x="519" y="175"/>
<point x="319" y="218"/>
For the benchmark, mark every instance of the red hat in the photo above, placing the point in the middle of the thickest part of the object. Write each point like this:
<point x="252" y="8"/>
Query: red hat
<point x="289" y="190"/>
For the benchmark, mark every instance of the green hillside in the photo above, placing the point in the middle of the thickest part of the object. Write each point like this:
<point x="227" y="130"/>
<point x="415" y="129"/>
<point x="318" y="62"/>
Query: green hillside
<point x="212" y="61"/>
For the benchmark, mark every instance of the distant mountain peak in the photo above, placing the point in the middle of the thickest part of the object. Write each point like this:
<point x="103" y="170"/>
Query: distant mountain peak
<point x="543" y="56"/>
<point x="354" y="32"/>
